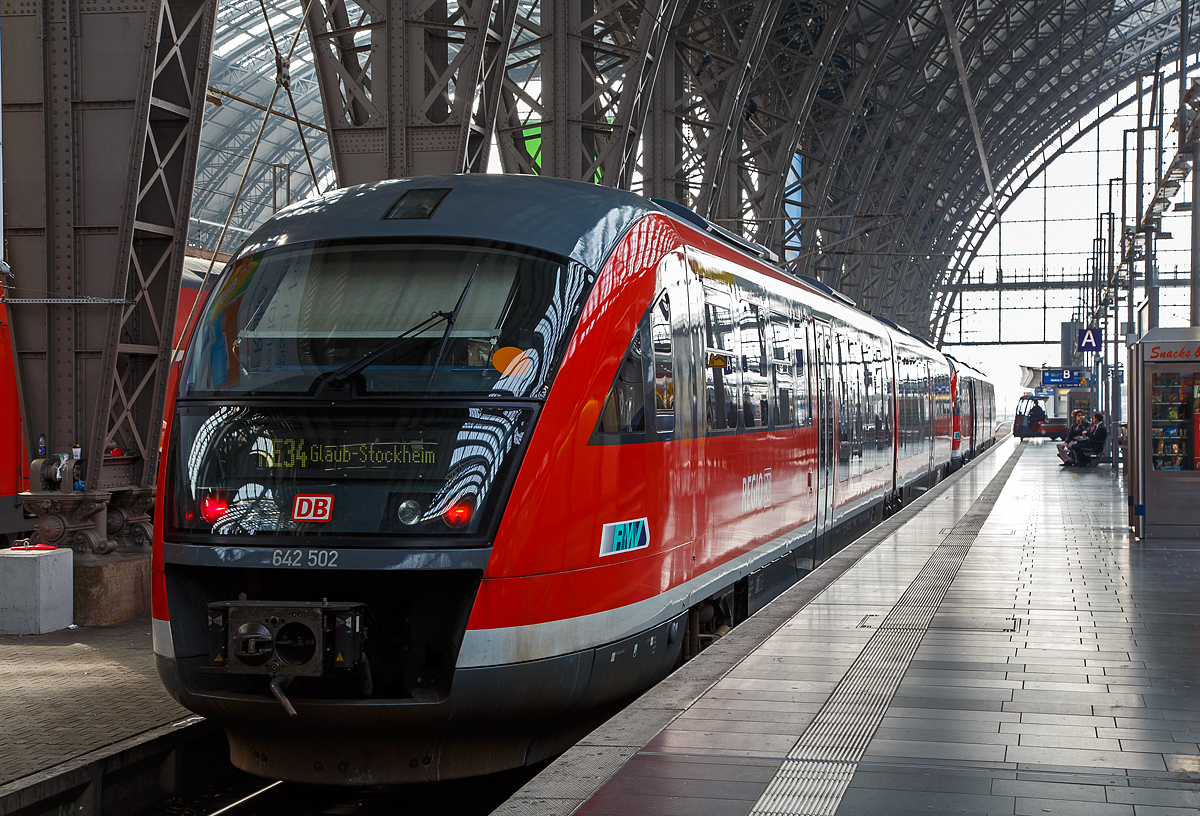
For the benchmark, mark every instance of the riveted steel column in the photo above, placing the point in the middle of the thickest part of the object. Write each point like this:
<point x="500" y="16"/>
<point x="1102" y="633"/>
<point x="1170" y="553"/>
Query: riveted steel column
<point x="615" y="161"/>
<point x="400" y="82"/>
<point x="1194" y="286"/>
<point x="102" y="141"/>
<point x="726" y="136"/>
<point x="158" y="196"/>
<point x="662" y="147"/>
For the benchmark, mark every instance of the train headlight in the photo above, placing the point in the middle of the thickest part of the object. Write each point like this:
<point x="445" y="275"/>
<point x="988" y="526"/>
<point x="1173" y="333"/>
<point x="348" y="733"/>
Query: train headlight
<point x="409" y="512"/>
<point x="458" y="514"/>
<point x="213" y="507"/>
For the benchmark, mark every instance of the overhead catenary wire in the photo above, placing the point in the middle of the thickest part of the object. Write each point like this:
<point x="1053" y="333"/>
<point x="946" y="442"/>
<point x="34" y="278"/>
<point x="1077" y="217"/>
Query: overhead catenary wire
<point x="227" y="95"/>
<point x="241" y="186"/>
<point x="284" y="78"/>
<point x="969" y="99"/>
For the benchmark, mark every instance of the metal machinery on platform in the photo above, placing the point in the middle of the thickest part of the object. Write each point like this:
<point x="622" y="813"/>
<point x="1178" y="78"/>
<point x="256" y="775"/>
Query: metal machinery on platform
<point x="1166" y="433"/>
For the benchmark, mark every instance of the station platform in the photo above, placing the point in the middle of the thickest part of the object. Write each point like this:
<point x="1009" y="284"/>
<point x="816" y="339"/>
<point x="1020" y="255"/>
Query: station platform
<point x="1001" y="646"/>
<point x="73" y="693"/>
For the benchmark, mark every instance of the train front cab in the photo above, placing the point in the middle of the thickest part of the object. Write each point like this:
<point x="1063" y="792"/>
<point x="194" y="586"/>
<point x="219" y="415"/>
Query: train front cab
<point x="652" y="493"/>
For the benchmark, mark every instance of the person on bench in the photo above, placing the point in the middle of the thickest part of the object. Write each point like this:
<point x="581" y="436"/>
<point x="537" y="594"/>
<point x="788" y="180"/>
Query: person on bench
<point x="1077" y="429"/>
<point x="1090" y="444"/>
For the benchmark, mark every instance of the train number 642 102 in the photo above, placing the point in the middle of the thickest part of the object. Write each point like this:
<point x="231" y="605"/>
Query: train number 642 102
<point x="326" y="559"/>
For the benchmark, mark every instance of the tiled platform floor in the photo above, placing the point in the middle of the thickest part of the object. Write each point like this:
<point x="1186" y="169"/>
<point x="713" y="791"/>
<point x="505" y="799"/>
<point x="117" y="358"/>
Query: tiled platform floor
<point x="1059" y="674"/>
<point x="68" y="693"/>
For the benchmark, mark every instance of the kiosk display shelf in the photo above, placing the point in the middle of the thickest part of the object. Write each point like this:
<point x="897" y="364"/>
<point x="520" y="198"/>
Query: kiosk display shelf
<point x="1174" y="398"/>
<point x="1164" y="479"/>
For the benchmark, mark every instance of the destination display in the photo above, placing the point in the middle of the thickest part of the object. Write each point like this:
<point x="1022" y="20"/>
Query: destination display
<point x="389" y="470"/>
<point x="308" y="454"/>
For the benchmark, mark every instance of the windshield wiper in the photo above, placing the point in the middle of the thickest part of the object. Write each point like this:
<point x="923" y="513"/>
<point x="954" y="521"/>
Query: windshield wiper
<point x="354" y="366"/>
<point x="450" y="327"/>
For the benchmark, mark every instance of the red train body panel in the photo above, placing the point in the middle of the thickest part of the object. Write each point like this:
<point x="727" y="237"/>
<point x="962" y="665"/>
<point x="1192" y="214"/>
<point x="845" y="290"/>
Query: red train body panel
<point x="14" y="463"/>
<point x="710" y="431"/>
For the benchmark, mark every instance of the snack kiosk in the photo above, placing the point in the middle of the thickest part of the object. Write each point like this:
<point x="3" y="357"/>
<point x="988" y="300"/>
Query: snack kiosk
<point x="1167" y="455"/>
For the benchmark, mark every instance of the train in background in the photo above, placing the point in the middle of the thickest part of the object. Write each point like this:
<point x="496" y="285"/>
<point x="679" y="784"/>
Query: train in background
<point x="975" y="418"/>
<point x="14" y="463"/>
<point x="14" y="457"/>
<point x="455" y="464"/>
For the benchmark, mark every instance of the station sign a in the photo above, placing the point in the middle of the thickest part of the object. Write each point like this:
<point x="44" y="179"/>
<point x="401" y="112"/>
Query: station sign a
<point x="1091" y="339"/>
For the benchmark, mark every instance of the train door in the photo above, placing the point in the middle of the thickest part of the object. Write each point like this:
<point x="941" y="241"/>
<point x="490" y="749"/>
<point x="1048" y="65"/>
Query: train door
<point x="974" y="409"/>
<point x="826" y="440"/>
<point x="674" y="340"/>
<point x="931" y="413"/>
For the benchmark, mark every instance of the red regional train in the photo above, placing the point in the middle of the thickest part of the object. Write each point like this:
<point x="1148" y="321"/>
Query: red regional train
<point x="455" y="464"/>
<point x="974" y="411"/>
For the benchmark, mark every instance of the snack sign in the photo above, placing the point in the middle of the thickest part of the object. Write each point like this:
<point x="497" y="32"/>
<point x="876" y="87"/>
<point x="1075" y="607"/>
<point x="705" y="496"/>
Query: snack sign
<point x="1171" y="351"/>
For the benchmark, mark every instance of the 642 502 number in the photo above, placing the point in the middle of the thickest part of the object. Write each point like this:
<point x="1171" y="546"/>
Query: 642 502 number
<point x="321" y="559"/>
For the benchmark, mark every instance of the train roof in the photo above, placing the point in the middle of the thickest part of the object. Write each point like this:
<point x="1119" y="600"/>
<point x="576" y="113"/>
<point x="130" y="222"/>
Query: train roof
<point x="572" y="219"/>
<point x="576" y="220"/>
<point x="966" y="367"/>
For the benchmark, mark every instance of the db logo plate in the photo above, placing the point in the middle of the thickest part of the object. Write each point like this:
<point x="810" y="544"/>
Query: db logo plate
<point x="312" y="508"/>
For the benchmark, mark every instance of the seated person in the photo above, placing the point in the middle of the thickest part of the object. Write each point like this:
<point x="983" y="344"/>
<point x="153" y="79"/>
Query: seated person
<point x="1077" y="429"/>
<point x="1037" y="415"/>
<point x="1090" y="444"/>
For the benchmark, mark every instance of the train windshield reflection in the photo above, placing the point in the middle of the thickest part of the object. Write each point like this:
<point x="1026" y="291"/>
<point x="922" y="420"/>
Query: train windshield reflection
<point x="283" y="319"/>
<point x="394" y="471"/>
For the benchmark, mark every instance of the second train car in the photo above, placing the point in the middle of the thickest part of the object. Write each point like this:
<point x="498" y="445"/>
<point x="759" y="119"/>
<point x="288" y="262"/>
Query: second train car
<point x="455" y="463"/>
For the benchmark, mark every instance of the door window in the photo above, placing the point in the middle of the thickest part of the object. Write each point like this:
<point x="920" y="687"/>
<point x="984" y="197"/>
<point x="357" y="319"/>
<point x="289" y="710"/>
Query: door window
<point x="756" y="374"/>
<point x="721" y="372"/>
<point x="783" y="361"/>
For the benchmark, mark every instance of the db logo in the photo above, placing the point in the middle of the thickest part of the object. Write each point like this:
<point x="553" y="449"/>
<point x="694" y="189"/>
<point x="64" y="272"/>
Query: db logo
<point x="312" y="508"/>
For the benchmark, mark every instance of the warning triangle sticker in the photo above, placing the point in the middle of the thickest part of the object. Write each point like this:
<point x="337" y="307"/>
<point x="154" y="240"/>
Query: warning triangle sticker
<point x="339" y="658"/>
<point x="218" y="659"/>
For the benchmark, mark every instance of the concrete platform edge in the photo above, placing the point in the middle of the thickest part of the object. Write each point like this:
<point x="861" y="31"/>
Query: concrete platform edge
<point x="79" y="785"/>
<point x="575" y="776"/>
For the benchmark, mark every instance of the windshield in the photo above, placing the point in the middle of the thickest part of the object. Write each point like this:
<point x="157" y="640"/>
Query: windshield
<point x="390" y="471"/>
<point x="282" y="319"/>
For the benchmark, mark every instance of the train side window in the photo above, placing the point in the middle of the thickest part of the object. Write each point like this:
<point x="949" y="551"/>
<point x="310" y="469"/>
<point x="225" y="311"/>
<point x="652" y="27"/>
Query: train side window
<point x="882" y="403"/>
<point x="782" y="360"/>
<point x="804" y="372"/>
<point x="624" y="411"/>
<point x="664" y="365"/>
<point x="855" y="420"/>
<point x="845" y="413"/>
<point x="756" y="376"/>
<point x="721" y="379"/>
<point x="870" y="415"/>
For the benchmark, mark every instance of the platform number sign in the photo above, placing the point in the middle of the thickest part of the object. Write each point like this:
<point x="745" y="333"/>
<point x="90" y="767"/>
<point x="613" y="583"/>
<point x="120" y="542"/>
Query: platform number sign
<point x="1091" y="339"/>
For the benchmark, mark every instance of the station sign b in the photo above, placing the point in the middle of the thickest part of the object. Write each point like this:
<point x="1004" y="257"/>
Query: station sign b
<point x="1091" y="339"/>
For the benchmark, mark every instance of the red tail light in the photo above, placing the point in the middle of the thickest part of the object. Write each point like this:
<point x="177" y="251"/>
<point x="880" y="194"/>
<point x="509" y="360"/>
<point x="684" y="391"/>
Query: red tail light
<point x="213" y="507"/>
<point x="459" y="513"/>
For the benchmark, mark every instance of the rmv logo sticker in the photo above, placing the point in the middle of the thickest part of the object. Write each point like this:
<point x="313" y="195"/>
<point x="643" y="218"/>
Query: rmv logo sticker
<point x="623" y="536"/>
<point x="312" y="508"/>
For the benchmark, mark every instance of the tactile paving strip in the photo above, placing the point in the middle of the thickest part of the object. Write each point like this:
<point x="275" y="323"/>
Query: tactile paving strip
<point x="818" y="769"/>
